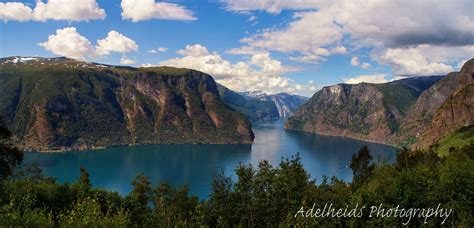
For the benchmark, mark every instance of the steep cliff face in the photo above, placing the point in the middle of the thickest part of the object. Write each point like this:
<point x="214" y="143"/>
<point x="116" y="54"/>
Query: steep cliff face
<point x="355" y="111"/>
<point x="421" y="114"/>
<point x="364" y="111"/>
<point x="455" y="113"/>
<point x="415" y="110"/>
<point x="61" y="104"/>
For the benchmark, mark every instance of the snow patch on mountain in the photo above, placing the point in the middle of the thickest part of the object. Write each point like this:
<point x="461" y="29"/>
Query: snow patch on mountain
<point x="285" y="103"/>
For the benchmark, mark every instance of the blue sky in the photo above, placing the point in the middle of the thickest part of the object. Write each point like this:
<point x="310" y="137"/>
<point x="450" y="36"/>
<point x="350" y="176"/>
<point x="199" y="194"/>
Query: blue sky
<point x="290" y="46"/>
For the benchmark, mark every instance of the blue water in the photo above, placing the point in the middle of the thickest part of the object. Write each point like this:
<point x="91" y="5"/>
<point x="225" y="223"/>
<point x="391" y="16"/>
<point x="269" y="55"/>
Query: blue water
<point x="194" y="165"/>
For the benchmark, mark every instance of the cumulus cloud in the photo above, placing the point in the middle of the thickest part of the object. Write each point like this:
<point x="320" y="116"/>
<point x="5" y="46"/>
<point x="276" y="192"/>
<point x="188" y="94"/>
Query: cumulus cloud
<point x="195" y="50"/>
<point x="15" y="11"/>
<point x="261" y="72"/>
<point x="68" y="42"/>
<point x="126" y="60"/>
<point x="411" y="61"/>
<point x="316" y="33"/>
<point x="371" y="78"/>
<point x="267" y="64"/>
<point x="70" y="10"/>
<point x="311" y="34"/>
<point x="140" y="10"/>
<point x="355" y="62"/>
<point x="115" y="42"/>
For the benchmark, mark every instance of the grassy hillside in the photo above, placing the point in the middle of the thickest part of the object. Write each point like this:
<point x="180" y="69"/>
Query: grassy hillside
<point x="461" y="138"/>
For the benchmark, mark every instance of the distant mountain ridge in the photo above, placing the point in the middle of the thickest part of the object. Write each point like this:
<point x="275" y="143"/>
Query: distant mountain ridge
<point x="284" y="102"/>
<point x="64" y="104"/>
<point x="253" y="109"/>
<point x="416" y="110"/>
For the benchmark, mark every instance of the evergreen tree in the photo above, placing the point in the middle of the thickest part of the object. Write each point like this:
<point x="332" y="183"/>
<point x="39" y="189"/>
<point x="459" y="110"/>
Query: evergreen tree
<point x="10" y="156"/>
<point x="84" y="178"/>
<point x="361" y="167"/>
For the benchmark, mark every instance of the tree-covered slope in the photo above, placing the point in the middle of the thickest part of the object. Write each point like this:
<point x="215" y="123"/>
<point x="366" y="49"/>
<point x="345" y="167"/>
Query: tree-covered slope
<point x="58" y="104"/>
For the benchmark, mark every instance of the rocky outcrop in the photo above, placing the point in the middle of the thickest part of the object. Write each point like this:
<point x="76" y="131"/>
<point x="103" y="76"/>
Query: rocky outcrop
<point x="63" y="104"/>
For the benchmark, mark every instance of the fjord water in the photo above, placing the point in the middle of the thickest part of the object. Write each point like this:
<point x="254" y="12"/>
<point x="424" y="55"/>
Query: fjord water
<point x="194" y="165"/>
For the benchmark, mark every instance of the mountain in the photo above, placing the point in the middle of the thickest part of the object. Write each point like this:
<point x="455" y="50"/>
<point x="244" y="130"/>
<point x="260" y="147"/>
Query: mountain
<point x="254" y="109"/>
<point x="63" y="104"/>
<point x="365" y="111"/>
<point x="457" y="110"/>
<point x="284" y="102"/>
<point x="416" y="111"/>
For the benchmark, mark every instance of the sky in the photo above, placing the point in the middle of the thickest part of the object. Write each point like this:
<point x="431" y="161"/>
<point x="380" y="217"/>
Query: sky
<point x="294" y="46"/>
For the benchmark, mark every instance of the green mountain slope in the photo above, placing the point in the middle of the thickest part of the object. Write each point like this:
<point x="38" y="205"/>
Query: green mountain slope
<point x="456" y="140"/>
<point x="61" y="104"/>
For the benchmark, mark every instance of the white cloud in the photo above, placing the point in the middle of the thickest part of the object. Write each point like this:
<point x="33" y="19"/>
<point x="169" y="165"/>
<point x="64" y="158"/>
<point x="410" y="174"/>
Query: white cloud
<point x="372" y="78"/>
<point x="311" y="34"/>
<point x="70" y="10"/>
<point x="411" y="61"/>
<point x="261" y="72"/>
<point x="160" y="49"/>
<point x="252" y="18"/>
<point x="244" y="50"/>
<point x="68" y="42"/>
<point x="365" y="65"/>
<point x="355" y="62"/>
<point x="425" y="59"/>
<point x="267" y="64"/>
<point x="314" y="34"/>
<point x="15" y="11"/>
<point x="140" y="10"/>
<point x="115" y="42"/>
<point x="195" y="50"/>
<point x="270" y="6"/>
<point x="127" y="61"/>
